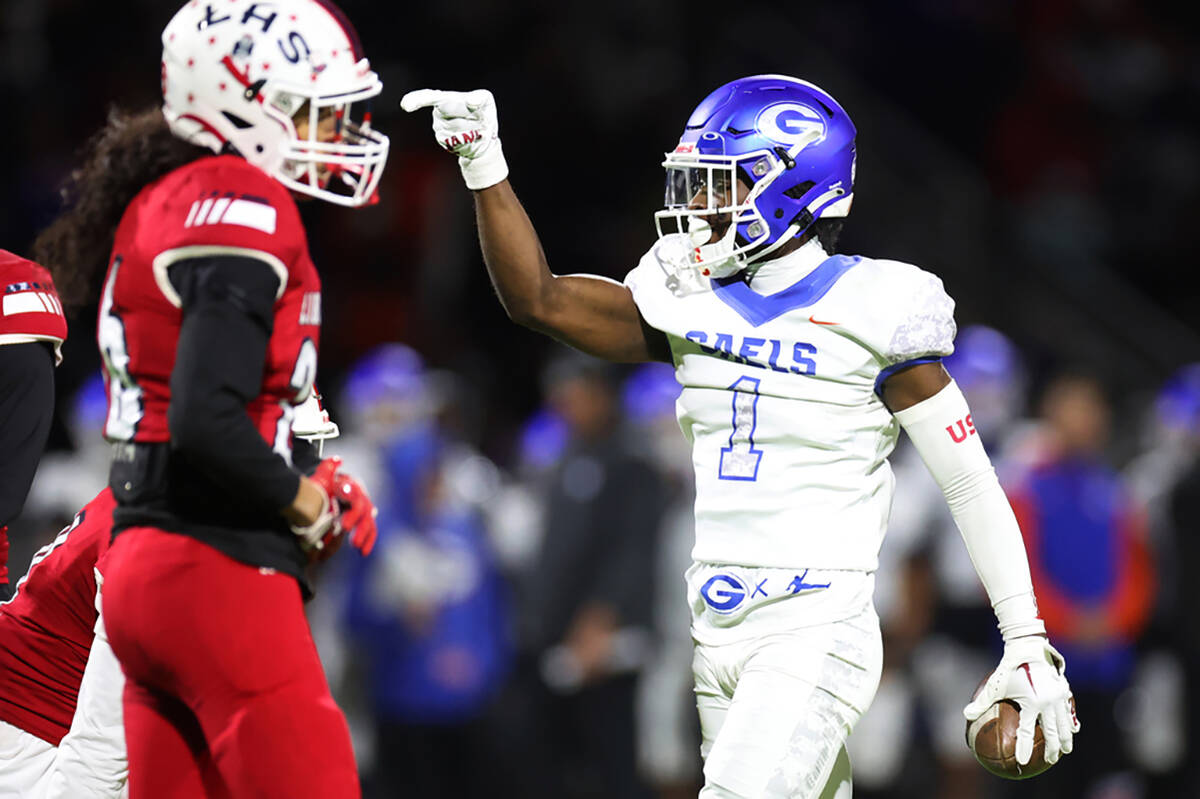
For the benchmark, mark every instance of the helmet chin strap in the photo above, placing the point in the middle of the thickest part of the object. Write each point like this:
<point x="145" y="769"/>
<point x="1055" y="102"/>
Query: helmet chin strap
<point x="755" y="262"/>
<point x="802" y="222"/>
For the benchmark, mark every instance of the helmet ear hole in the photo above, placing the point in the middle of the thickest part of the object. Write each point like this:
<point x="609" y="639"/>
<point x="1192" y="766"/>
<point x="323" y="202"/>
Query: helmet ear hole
<point x="237" y="121"/>
<point x="799" y="190"/>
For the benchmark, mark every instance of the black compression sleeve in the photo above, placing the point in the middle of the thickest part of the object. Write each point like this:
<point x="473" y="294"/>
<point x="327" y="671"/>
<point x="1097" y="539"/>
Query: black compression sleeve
<point x="26" y="410"/>
<point x="305" y="456"/>
<point x="228" y="312"/>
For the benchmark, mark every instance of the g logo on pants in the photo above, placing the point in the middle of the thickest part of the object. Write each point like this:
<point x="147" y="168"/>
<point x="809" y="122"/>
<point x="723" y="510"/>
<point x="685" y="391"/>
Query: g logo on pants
<point x="723" y="592"/>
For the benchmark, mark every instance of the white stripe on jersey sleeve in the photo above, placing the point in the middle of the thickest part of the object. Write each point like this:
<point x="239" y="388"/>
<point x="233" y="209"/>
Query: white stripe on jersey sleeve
<point x="24" y="302"/>
<point x="251" y="214"/>
<point x="218" y="208"/>
<point x="202" y="214"/>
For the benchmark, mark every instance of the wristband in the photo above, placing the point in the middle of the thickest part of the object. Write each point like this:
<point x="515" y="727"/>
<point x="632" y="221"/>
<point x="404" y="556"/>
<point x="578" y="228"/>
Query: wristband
<point x="486" y="169"/>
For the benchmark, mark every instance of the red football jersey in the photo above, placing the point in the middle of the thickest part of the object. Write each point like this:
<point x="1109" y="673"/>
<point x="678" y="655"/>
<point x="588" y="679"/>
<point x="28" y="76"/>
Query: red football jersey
<point x="219" y="205"/>
<point x="29" y="305"/>
<point x="46" y="629"/>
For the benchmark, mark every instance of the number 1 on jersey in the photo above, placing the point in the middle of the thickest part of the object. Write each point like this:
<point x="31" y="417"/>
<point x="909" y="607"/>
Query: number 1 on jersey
<point x="739" y="461"/>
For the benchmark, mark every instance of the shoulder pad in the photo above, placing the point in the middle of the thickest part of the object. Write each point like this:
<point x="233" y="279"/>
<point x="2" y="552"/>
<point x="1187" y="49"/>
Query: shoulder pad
<point x="925" y="326"/>
<point x="29" y="306"/>
<point x="225" y="202"/>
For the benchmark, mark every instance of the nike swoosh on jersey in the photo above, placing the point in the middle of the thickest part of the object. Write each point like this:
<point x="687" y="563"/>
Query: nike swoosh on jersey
<point x="816" y="321"/>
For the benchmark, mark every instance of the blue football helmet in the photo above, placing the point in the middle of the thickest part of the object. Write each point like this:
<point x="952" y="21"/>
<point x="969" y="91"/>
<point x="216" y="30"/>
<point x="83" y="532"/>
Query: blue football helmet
<point x="543" y="439"/>
<point x="388" y="390"/>
<point x="1178" y="403"/>
<point x="984" y="356"/>
<point x="89" y="409"/>
<point x="791" y="147"/>
<point x="649" y="394"/>
<point x="990" y="370"/>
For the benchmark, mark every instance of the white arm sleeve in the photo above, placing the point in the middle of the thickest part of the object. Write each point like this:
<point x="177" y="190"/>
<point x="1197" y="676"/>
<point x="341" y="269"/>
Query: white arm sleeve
<point x="942" y="431"/>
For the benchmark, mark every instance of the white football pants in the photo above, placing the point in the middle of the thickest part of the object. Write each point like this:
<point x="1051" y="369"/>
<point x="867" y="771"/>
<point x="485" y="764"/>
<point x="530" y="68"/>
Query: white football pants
<point x="24" y="761"/>
<point x="776" y="709"/>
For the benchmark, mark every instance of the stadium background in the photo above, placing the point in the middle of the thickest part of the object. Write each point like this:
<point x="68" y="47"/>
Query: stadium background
<point x="1043" y="157"/>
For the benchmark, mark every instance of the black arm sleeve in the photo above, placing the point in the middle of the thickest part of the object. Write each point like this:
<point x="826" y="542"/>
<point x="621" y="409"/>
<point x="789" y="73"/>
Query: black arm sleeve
<point x="305" y="456"/>
<point x="26" y="410"/>
<point x="228" y="312"/>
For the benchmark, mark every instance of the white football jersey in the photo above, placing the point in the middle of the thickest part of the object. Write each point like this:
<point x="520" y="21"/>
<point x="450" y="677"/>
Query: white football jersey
<point x="789" y="437"/>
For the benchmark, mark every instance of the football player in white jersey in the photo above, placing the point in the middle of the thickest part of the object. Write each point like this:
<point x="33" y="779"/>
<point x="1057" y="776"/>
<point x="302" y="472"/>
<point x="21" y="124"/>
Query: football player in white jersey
<point x="798" y="369"/>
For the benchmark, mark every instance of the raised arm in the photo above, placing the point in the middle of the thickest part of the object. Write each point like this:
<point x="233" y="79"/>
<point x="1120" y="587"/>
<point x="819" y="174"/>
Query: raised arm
<point x="591" y="313"/>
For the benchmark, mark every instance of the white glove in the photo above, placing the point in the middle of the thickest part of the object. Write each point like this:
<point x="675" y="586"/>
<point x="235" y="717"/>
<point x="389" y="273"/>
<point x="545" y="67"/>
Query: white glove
<point x="1032" y="674"/>
<point x="465" y="124"/>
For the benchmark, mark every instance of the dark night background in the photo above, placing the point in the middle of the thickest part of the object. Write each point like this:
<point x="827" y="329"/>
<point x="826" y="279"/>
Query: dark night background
<point x="1042" y="157"/>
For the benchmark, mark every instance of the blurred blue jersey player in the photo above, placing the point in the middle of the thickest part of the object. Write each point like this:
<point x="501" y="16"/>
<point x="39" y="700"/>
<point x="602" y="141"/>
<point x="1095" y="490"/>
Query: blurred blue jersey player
<point x="430" y="613"/>
<point x="798" y="367"/>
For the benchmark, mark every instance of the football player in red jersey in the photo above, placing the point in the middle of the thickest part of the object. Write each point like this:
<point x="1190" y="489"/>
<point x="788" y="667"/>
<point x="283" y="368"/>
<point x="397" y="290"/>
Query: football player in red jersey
<point x="209" y="326"/>
<point x="46" y="633"/>
<point x="32" y="330"/>
<point x="60" y="684"/>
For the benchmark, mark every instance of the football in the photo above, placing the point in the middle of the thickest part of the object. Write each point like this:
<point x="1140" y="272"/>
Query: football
<point x="992" y="738"/>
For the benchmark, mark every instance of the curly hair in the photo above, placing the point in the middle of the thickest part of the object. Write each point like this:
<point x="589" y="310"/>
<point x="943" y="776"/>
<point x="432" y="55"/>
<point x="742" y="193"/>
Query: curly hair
<point x="131" y="151"/>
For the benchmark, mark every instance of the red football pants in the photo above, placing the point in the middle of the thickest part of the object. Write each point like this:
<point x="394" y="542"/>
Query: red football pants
<point x="225" y="696"/>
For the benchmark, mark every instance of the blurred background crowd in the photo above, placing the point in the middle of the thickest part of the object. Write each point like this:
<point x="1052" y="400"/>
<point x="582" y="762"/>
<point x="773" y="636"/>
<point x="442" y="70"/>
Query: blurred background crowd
<point x="523" y="622"/>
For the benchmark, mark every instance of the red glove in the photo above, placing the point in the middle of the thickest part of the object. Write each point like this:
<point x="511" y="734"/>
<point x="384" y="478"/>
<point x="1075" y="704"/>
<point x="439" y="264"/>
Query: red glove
<point x="322" y="538"/>
<point x="358" y="512"/>
<point x="350" y="510"/>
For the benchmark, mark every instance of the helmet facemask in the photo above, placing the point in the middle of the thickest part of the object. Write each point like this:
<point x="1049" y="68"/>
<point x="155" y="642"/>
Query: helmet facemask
<point x="711" y="215"/>
<point x="339" y="157"/>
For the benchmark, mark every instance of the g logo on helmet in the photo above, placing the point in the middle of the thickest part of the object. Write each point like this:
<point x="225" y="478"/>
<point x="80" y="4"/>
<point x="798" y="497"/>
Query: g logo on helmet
<point x="723" y="592"/>
<point x="791" y="124"/>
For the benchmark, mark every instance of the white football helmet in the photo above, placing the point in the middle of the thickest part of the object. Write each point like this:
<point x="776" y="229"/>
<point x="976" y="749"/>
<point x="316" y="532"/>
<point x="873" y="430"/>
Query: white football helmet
<point x="238" y="74"/>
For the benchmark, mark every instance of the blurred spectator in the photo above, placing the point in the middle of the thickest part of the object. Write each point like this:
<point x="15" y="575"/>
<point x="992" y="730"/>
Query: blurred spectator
<point x="1166" y="478"/>
<point x="587" y="602"/>
<point x="1184" y="511"/>
<point x="66" y="481"/>
<point x="428" y="613"/>
<point x="1093" y="575"/>
<point x="668" y="725"/>
<point x="1103" y="84"/>
<point x="1171" y="440"/>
